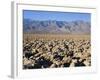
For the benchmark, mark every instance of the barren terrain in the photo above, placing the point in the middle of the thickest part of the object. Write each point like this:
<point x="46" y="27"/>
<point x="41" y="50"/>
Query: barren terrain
<point x="56" y="50"/>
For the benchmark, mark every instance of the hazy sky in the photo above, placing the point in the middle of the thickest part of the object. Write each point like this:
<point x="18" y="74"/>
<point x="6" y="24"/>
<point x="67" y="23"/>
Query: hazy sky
<point x="59" y="16"/>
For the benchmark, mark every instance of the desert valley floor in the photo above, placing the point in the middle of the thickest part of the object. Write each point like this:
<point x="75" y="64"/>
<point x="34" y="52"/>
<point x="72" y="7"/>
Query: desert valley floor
<point x="56" y="51"/>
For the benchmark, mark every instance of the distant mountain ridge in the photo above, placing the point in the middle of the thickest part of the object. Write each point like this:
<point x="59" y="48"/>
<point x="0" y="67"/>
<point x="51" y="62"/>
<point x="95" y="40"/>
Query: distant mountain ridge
<point x="56" y="27"/>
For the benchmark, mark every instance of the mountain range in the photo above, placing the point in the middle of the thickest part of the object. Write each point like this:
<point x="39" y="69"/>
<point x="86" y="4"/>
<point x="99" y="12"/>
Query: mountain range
<point x="56" y="27"/>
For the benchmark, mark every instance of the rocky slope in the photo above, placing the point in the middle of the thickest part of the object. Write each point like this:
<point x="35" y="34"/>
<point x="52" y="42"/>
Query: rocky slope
<point x="56" y="27"/>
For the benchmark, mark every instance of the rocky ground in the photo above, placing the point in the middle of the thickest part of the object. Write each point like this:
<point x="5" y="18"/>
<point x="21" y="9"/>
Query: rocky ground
<point x="56" y="53"/>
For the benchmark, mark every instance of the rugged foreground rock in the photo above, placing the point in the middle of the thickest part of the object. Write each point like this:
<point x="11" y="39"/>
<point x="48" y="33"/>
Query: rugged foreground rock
<point x="56" y="53"/>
